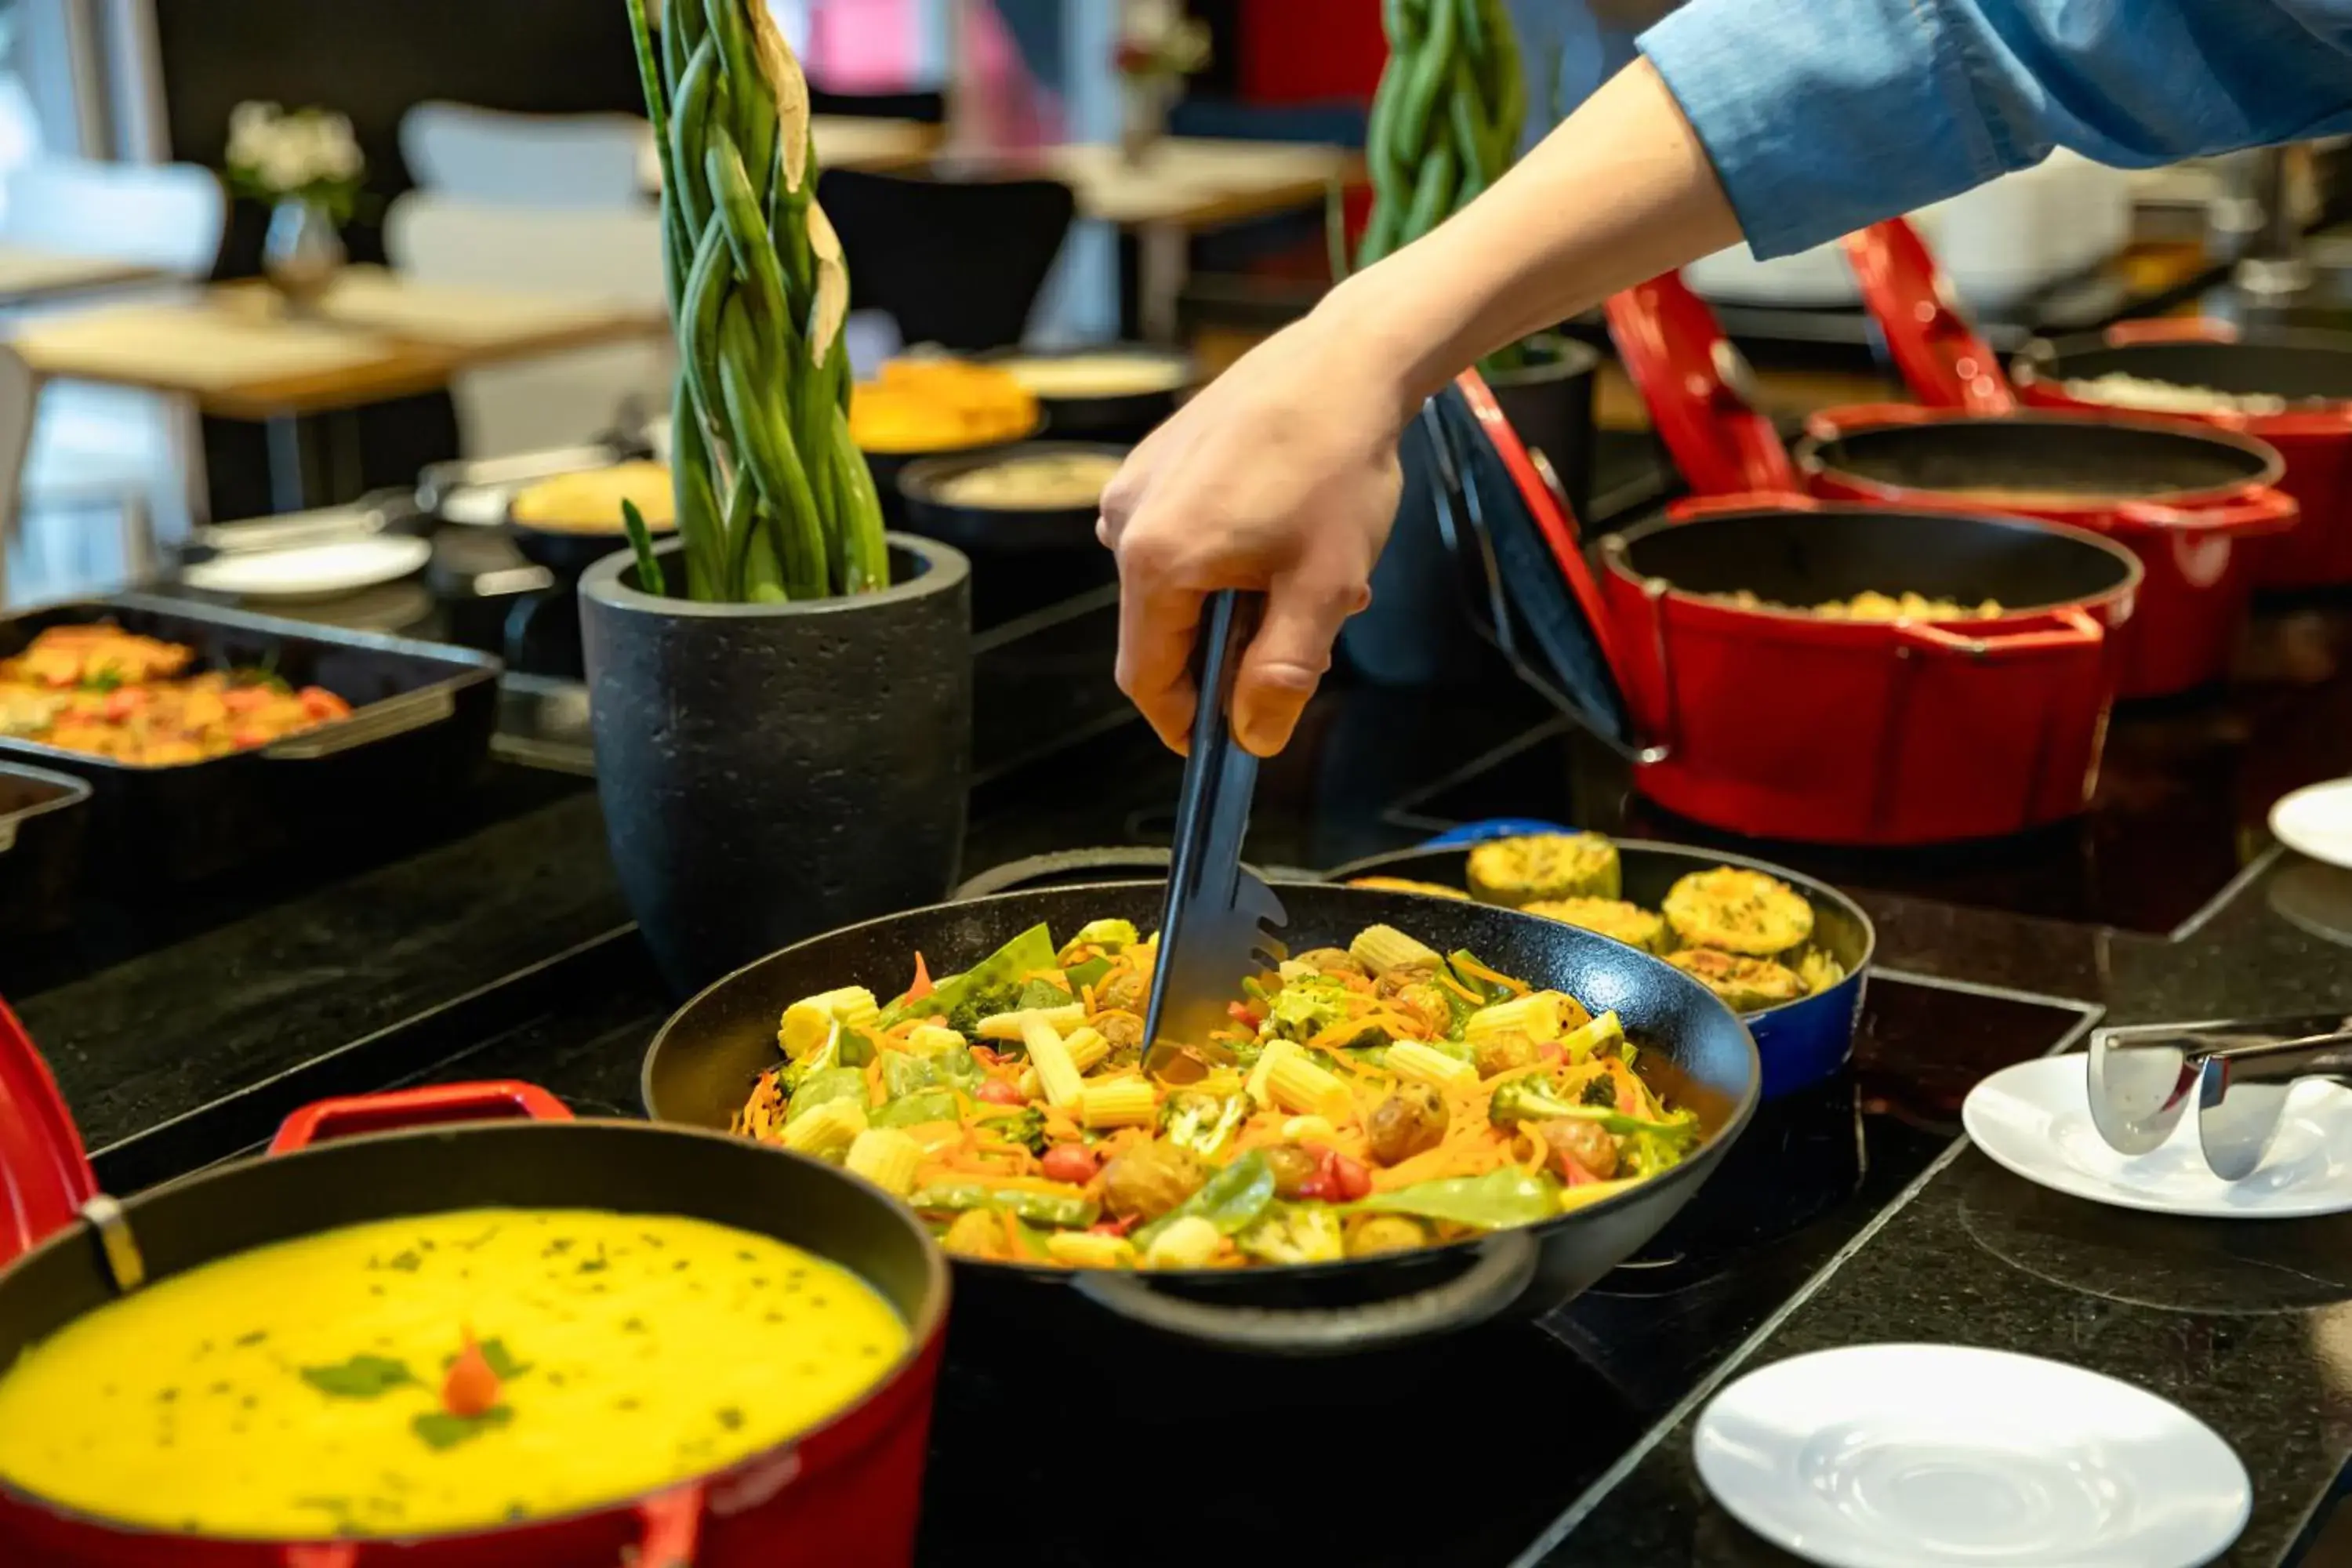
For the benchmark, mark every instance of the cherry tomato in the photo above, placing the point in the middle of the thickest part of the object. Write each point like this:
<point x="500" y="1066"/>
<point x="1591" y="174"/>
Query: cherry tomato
<point x="246" y="735"/>
<point x="123" y="702"/>
<point x="1549" y="1050"/>
<point x="1115" y="1226"/>
<point x="1350" y="1180"/>
<point x="1072" y="1162"/>
<point x="996" y="1091"/>
<point x="1242" y="1013"/>
<point x="245" y="699"/>
<point x="321" y="703"/>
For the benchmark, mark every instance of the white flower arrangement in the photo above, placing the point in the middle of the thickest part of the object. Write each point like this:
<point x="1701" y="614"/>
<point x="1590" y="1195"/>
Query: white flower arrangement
<point x="303" y="154"/>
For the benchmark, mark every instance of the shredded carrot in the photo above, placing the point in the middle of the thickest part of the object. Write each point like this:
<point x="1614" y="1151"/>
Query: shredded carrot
<point x="874" y="1078"/>
<point x="922" y="986"/>
<point x="1477" y="971"/>
<point x="1461" y="989"/>
<point x="1013" y="1234"/>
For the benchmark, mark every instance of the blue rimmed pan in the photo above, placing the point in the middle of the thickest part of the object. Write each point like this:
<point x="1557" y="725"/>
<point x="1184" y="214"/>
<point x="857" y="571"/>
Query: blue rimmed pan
<point x="1802" y="1043"/>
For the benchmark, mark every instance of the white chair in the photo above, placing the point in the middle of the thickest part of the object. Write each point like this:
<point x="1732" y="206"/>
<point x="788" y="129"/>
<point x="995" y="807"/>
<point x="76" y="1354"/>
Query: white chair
<point x="530" y="160"/>
<point x="106" y="447"/>
<point x="20" y="389"/>
<point x="558" y="399"/>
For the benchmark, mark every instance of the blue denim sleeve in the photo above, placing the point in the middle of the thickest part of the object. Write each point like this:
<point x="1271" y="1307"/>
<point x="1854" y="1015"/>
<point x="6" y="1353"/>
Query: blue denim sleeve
<point x="1823" y="115"/>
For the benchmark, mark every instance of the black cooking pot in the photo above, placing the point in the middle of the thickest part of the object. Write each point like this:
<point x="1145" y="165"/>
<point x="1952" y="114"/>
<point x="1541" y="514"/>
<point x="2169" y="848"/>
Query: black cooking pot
<point x="703" y="1063"/>
<point x="988" y="528"/>
<point x="1125" y="416"/>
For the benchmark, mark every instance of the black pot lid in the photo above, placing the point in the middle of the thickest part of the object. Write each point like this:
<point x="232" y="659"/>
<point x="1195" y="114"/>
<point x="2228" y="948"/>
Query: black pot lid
<point x="1516" y="541"/>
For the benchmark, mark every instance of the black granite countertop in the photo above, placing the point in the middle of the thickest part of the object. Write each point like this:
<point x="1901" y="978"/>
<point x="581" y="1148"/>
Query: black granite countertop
<point x="494" y="943"/>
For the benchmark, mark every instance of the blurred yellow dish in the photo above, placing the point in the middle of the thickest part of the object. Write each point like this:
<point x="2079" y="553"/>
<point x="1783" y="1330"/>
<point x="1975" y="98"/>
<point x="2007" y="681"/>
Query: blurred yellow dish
<point x="590" y="501"/>
<point x="935" y="405"/>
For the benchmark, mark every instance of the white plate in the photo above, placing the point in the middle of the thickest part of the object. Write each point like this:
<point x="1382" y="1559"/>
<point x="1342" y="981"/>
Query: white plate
<point x="1920" y="1455"/>
<point x="311" y="571"/>
<point x="2035" y="1118"/>
<point x="2317" y="820"/>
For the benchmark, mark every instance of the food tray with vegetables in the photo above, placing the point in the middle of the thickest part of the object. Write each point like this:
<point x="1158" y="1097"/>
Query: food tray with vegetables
<point x="1442" y="1109"/>
<point x="1790" y="953"/>
<point x="210" y="737"/>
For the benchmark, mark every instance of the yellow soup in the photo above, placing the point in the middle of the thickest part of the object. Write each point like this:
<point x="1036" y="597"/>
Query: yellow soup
<point x="323" y="1387"/>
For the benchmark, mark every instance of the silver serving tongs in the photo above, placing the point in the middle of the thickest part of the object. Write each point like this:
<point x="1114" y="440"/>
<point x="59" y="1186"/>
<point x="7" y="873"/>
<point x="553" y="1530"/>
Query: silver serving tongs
<point x="2238" y="1073"/>
<point x="1212" y="931"/>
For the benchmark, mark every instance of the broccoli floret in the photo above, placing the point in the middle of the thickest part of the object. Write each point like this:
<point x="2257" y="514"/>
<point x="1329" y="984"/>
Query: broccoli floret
<point x="1201" y="1122"/>
<point x="1305" y="1008"/>
<point x="1530" y="1100"/>
<point x="982" y="1002"/>
<point x="1599" y="1089"/>
<point x="1024" y="1127"/>
<point x="824" y="1057"/>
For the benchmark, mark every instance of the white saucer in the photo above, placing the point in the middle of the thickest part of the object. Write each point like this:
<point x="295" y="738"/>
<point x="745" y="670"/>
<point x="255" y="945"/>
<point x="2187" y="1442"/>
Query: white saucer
<point x="2317" y="820"/>
<point x="2035" y="1118"/>
<point x="1926" y="1456"/>
<point x="311" y="571"/>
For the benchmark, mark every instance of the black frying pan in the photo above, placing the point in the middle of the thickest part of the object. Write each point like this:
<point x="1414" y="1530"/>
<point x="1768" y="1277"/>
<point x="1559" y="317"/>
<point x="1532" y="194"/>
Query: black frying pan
<point x="704" y="1059"/>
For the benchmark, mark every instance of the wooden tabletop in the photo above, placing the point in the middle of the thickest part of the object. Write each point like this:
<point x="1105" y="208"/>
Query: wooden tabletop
<point x="235" y="349"/>
<point x="1191" y="182"/>
<point x="29" y="274"/>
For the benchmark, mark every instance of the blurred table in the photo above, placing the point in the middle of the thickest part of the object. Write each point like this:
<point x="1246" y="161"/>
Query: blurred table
<point x="877" y="146"/>
<point x="237" y="352"/>
<point x="31" y="275"/>
<point x="1183" y="185"/>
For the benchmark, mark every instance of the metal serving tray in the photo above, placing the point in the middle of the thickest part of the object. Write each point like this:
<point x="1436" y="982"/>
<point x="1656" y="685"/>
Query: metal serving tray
<point x="420" y="731"/>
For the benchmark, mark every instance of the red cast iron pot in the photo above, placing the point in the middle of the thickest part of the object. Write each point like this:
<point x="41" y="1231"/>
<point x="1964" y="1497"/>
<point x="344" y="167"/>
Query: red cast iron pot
<point x="2312" y="370"/>
<point x="841" y="1493"/>
<point x="2187" y="500"/>
<point x="1839" y="731"/>
<point x="1786" y="725"/>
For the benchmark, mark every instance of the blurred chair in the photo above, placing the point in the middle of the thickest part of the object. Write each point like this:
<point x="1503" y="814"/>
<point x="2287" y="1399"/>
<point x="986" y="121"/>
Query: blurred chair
<point x="956" y="262"/>
<point x="532" y="160"/>
<point x="18" y="390"/>
<point x="558" y="399"/>
<point x="105" y="447"/>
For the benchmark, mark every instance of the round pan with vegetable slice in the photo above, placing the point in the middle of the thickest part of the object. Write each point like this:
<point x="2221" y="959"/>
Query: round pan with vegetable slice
<point x="1520" y="870"/>
<point x="1436" y="1112"/>
<point x="1804" y="1036"/>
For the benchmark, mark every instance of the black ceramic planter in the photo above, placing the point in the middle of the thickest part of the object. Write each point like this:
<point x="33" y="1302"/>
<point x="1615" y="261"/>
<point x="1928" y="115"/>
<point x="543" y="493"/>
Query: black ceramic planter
<point x="769" y="772"/>
<point x="1549" y="404"/>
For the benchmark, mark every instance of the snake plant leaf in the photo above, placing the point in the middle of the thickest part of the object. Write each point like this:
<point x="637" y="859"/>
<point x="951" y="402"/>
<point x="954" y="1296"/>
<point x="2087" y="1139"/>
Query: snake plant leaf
<point x="790" y="89"/>
<point x="831" y="307"/>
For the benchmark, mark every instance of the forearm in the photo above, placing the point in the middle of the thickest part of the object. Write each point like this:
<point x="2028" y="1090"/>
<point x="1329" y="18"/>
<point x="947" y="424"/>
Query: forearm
<point x="1621" y="191"/>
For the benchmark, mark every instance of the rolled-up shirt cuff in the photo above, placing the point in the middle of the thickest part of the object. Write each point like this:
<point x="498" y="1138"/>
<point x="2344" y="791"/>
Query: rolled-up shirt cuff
<point x="1820" y="118"/>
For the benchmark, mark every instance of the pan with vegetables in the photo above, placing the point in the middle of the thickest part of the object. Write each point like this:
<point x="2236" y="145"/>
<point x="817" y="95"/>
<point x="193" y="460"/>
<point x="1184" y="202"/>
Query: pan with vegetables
<point x="1436" y="1112"/>
<point x="1788" y="953"/>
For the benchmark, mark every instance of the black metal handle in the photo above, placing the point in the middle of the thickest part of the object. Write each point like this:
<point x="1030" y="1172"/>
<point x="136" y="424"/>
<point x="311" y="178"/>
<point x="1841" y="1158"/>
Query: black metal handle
<point x="1504" y="1268"/>
<point x="1461" y="527"/>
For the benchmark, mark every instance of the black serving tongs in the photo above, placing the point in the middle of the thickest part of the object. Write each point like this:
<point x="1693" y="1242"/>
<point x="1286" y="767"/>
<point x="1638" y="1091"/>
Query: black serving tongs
<point x="2238" y="1073"/>
<point x="1212" y="931"/>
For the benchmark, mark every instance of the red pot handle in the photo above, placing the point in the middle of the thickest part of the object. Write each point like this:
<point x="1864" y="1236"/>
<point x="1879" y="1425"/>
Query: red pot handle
<point x="1697" y="390"/>
<point x="1690" y="507"/>
<point x="2260" y="510"/>
<point x="2170" y="330"/>
<point x="1939" y="353"/>
<point x="417" y="1107"/>
<point x="669" y="1529"/>
<point x="2074" y="629"/>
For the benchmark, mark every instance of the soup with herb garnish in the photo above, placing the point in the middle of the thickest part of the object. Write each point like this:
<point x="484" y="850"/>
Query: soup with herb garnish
<point x="440" y="1372"/>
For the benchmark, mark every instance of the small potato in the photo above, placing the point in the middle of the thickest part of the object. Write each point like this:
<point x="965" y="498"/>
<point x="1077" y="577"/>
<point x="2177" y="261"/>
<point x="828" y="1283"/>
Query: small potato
<point x="1585" y="1143"/>
<point x="1127" y="991"/>
<point x="1406" y="1123"/>
<point x="1146" y="1183"/>
<point x="976" y="1233"/>
<point x="1292" y="1168"/>
<point x="1332" y="960"/>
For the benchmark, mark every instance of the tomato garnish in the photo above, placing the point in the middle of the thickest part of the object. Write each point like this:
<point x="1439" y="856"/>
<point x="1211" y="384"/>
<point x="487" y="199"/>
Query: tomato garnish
<point x="471" y="1387"/>
<point x="1242" y="1013"/>
<point x="922" y="986"/>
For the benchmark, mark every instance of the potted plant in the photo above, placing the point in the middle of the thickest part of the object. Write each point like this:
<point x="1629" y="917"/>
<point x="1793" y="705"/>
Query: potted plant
<point x="781" y="692"/>
<point x="1445" y="123"/>
<point x="305" y="166"/>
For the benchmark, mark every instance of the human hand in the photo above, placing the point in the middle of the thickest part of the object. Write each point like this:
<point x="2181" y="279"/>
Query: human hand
<point x="1281" y="477"/>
